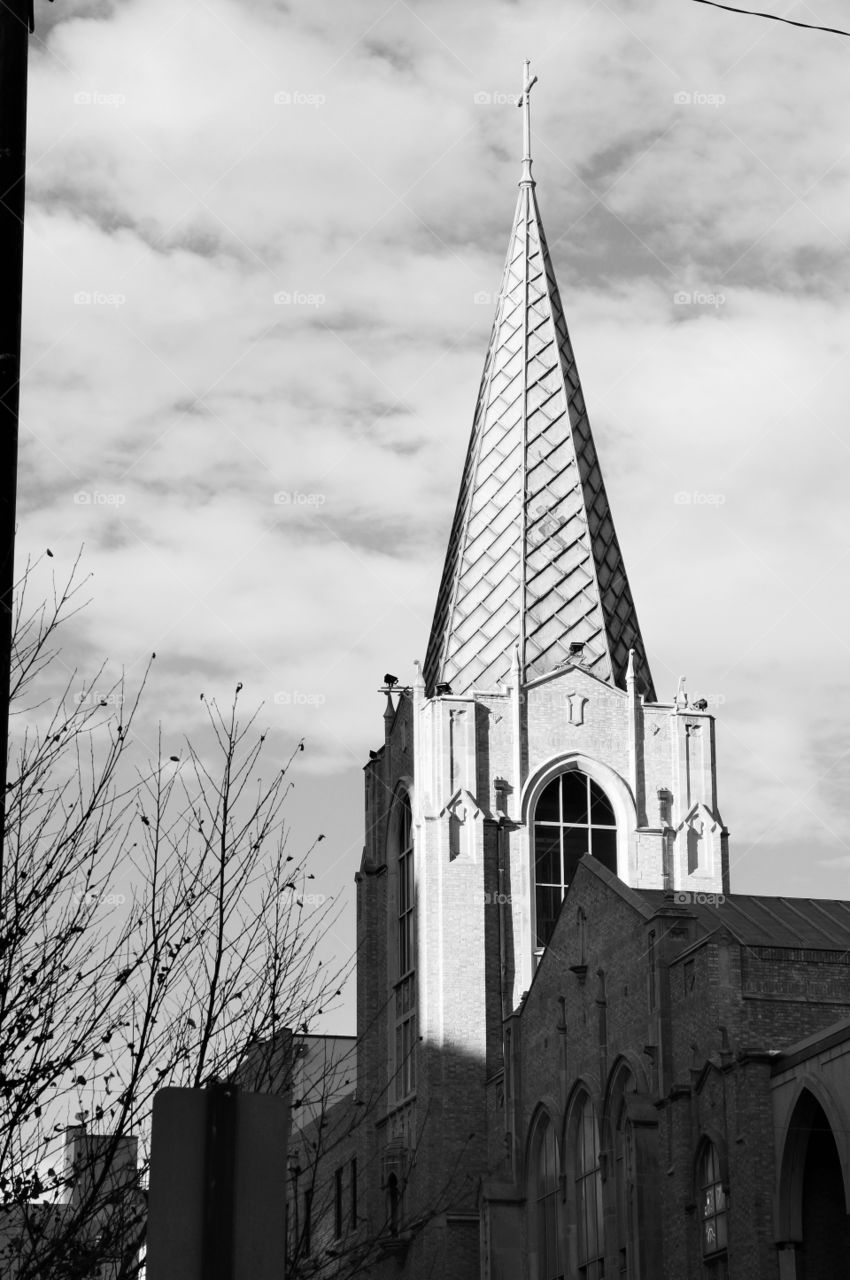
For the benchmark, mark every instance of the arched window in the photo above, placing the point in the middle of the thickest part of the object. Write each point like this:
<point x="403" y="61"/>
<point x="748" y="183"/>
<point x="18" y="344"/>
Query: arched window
<point x="573" y="816"/>
<point x="590" y="1240"/>
<point x="544" y="1193"/>
<point x="812" y="1207"/>
<point x="625" y="1187"/>
<point x="405" y="985"/>
<point x="393" y="1199"/>
<point x="712" y="1204"/>
<point x="625" y="1170"/>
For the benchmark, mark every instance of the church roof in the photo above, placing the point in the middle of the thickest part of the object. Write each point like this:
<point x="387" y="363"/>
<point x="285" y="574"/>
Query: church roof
<point x="533" y="560"/>
<point x="756" y="920"/>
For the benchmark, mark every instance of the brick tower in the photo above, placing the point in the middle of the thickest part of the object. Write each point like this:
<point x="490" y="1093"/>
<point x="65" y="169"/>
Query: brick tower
<point x="530" y="737"/>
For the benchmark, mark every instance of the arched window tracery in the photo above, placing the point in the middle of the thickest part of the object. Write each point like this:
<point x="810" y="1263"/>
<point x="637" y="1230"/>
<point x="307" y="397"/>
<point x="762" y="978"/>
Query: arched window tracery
<point x="623" y="1147"/>
<point x="404" y="994"/>
<point x="544" y="1197"/>
<point x="712" y="1207"/>
<point x="591" y="1238"/>
<point x="573" y="816"/>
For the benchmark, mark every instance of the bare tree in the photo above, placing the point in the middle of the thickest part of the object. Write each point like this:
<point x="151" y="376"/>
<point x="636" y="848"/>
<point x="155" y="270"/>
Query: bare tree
<point x="212" y="951"/>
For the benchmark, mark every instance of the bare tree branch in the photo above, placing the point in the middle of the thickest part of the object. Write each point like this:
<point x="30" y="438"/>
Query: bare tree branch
<point x="106" y="997"/>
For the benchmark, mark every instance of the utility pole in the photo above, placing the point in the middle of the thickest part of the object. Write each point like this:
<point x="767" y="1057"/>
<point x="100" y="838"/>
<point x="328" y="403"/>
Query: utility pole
<point x="16" y="19"/>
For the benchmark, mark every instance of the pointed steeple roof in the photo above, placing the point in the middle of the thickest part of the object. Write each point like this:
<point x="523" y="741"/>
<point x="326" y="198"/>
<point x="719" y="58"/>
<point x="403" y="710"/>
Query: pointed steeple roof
<point x="533" y="560"/>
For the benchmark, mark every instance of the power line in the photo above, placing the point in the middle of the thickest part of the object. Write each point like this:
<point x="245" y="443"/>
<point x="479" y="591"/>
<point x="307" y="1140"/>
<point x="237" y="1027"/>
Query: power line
<point x="755" y="13"/>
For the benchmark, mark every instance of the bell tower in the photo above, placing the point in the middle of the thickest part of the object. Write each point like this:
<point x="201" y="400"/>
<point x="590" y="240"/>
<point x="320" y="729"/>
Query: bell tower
<point x="530" y="737"/>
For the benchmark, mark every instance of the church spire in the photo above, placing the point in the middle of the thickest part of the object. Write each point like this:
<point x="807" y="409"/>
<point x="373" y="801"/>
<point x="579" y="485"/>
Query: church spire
<point x="533" y="559"/>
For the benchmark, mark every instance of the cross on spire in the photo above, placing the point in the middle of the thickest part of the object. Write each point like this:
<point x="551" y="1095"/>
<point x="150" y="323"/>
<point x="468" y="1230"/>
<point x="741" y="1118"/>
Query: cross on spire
<point x="524" y="101"/>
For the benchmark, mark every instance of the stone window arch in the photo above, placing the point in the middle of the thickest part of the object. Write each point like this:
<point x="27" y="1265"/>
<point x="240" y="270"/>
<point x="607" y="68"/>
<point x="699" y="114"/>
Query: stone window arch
<point x="585" y="1212"/>
<point x="546" y="1253"/>
<point x="402" y="949"/>
<point x="630" y="1139"/>
<point x="710" y="1184"/>
<point x="624" y="1169"/>
<point x="572" y="816"/>
<point x="813" y="1201"/>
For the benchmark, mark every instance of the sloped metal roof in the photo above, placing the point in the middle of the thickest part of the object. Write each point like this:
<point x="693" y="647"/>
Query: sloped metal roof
<point x="820" y="924"/>
<point x="533" y="559"/>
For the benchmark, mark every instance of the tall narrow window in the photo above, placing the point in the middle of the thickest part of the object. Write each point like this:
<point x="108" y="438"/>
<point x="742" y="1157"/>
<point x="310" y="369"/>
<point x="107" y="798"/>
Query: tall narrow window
<point x="588" y="1195"/>
<point x="549" y="1254"/>
<point x="338" y="1204"/>
<point x="308" y="1225"/>
<point x="712" y="1205"/>
<point x="636" y="1224"/>
<point x="624" y="1183"/>
<point x="405" y="987"/>
<point x="353" y="1187"/>
<point x="573" y="816"/>
<point x="393" y="1204"/>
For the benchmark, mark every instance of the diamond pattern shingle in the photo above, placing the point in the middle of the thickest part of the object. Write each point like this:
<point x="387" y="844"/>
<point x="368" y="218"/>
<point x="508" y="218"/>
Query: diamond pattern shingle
<point x="533" y="558"/>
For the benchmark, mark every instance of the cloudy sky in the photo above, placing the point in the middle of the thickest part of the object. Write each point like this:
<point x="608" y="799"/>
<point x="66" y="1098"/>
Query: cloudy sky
<point x="259" y="236"/>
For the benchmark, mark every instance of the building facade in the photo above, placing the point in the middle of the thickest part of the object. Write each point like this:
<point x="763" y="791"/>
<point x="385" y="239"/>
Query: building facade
<point x="96" y="1230"/>
<point x="575" y="1044"/>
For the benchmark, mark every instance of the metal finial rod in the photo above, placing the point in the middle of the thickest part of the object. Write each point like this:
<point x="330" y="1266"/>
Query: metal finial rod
<point x="524" y="101"/>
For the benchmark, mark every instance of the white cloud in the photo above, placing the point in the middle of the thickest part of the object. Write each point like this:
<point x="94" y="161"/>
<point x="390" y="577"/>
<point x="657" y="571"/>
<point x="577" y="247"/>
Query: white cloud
<point x="385" y="190"/>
